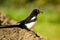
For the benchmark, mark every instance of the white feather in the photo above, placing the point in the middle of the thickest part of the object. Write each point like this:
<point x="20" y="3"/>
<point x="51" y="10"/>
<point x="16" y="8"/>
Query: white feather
<point x="30" y="25"/>
<point x="33" y="18"/>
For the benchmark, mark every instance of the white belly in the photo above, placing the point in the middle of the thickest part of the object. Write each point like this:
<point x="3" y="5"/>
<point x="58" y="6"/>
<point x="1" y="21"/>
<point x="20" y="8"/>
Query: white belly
<point x="30" y="25"/>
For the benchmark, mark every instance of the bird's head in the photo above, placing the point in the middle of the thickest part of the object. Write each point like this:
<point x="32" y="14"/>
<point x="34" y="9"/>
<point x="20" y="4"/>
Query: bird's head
<point x="35" y="12"/>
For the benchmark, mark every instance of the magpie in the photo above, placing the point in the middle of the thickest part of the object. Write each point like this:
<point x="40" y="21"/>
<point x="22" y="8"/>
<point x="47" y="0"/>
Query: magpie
<point x="26" y="23"/>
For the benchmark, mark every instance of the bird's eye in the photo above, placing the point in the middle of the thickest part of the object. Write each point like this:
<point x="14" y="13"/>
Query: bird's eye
<point x="38" y="11"/>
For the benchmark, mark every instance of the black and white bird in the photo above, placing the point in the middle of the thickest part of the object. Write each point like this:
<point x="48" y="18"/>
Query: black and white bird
<point x="26" y="23"/>
<point x="31" y="20"/>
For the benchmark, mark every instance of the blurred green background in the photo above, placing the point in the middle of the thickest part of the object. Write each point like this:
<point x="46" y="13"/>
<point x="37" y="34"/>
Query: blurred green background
<point x="48" y="23"/>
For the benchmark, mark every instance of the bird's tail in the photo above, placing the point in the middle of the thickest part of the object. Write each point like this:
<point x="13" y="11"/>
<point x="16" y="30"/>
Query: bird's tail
<point x="9" y="26"/>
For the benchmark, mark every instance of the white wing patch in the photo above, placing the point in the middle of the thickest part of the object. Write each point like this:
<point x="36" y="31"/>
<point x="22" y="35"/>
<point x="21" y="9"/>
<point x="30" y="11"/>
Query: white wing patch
<point x="30" y="25"/>
<point x="33" y="18"/>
